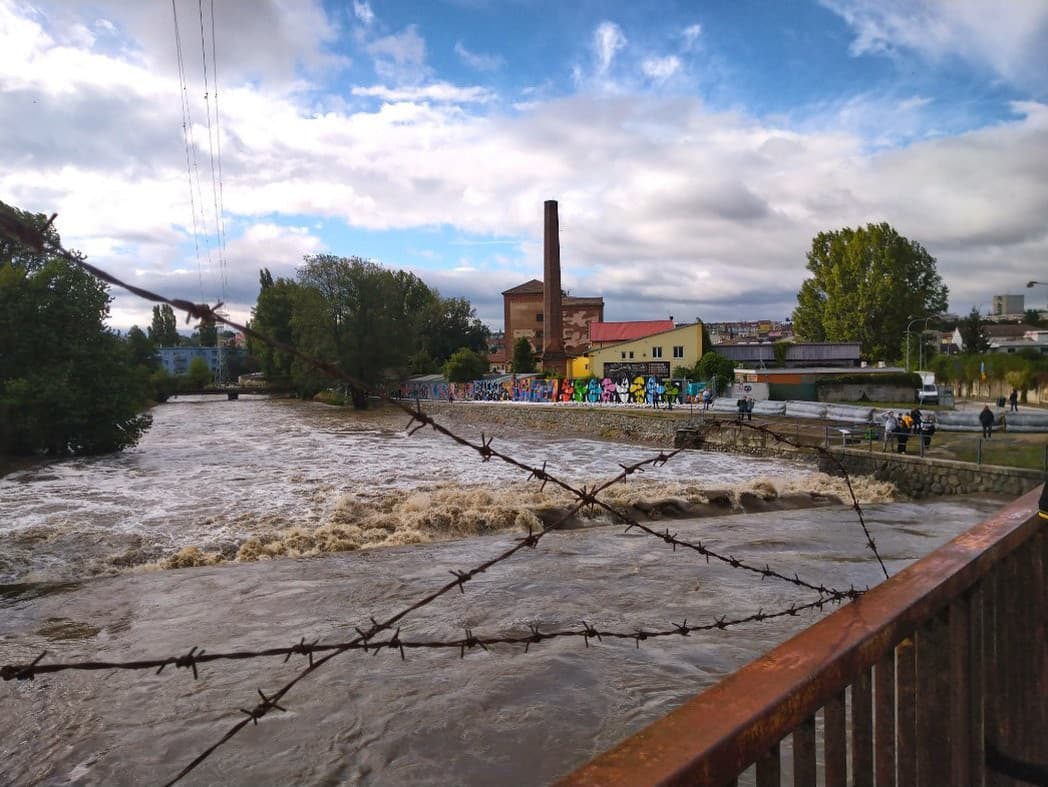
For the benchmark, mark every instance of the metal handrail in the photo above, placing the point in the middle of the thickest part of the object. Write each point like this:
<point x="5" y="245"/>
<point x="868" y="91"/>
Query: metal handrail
<point x="742" y="720"/>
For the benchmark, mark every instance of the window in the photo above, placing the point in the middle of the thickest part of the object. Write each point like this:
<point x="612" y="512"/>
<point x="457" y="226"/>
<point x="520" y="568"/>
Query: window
<point x="678" y="351"/>
<point x="624" y="355"/>
<point x="656" y="352"/>
<point x="631" y="353"/>
<point x="538" y="317"/>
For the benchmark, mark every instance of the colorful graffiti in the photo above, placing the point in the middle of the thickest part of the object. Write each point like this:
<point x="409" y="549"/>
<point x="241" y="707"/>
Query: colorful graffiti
<point x="622" y="389"/>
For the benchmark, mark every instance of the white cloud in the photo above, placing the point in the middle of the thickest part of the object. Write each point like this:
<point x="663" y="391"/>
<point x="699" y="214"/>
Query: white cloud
<point x="363" y="12"/>
<point x="478" y="61"/>
<point x="666" y="206"/>
<point x="400" y="57"/>
<point x="608" y="41"/>
<point x="437" y="91"/>
<point x="691" y="34"/>
<point x="660" y="68"/>
<point x="1009" y="38"/>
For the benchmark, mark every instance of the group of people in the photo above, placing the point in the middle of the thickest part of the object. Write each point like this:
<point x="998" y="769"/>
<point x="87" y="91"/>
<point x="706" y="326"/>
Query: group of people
<point x="745" y="408"/>
<point x="900" y="427"/>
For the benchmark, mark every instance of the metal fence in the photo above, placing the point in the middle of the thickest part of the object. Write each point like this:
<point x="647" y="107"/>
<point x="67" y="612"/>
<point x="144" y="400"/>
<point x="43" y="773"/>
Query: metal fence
<point x="937" y="676"/>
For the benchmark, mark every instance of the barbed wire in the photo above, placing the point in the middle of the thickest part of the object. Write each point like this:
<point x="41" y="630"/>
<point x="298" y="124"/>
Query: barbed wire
<point x="196" y="657"/>
<point x="585" y="497"/>
<point x="833" y="459"/>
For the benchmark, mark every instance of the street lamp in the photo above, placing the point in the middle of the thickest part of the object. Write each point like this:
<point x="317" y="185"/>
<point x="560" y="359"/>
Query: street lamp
<point x="1034" y="283"/>
<point x="924" y="331"/>
<point x="911" y="322"/>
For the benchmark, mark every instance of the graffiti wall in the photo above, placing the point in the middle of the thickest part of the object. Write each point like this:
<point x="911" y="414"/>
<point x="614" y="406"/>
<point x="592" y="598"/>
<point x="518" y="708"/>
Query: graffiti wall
<point x="625" y="387"/>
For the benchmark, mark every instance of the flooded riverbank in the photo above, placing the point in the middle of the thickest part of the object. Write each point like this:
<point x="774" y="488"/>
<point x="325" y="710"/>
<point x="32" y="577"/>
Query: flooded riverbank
<point x="219" y="477"/>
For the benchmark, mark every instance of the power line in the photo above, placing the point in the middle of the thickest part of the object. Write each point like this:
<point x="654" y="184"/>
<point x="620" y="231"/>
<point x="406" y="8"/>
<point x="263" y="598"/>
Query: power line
<point x="218" y="150"/>
<point x="187" y="125"/>
<point x="211" y="143"/>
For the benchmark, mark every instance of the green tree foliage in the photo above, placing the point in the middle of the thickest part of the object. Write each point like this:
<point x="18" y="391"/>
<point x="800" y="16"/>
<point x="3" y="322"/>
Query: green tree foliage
<point x="1032" y="317"/>
<point x="163" y="331"/>
<point x="973" y="333"/>
<point x="272" y="316"/>
<point x="713" y="365"/>
<point x="372" y="321"/>
<point x="866" y="285"/>
<point x="198" y="375"/>
<point x="448" y="324"/>
<point x="66" y="382"/>
<point x="141" y="351"/>
<point x="523" y="356"/>
<point x="206" y="335"/>
<point x="465" y="365"/>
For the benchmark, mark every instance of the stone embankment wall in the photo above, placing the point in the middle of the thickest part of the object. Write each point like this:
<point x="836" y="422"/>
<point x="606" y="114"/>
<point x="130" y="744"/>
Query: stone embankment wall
<point x="919" y="477"/>
<point x="913" y="476"/>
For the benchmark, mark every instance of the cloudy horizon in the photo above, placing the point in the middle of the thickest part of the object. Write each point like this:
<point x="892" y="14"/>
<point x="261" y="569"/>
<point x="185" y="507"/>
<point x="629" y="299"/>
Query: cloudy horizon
<point x="694" y="150"/>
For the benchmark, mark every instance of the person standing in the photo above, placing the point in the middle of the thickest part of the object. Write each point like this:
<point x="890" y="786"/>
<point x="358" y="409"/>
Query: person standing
<point x="1013" y="401"/>
<point x="740" y="405"/>
<point x="986" y="419"/>
<point x="928" y="429"/>
<point x="891" y="425"/>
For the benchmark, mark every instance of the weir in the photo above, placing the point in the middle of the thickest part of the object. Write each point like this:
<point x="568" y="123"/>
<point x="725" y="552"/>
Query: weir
<point x="937" y="676"/>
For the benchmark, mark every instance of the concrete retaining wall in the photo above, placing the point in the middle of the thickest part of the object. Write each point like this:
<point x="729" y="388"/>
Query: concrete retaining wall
<point x="924" y="477"/>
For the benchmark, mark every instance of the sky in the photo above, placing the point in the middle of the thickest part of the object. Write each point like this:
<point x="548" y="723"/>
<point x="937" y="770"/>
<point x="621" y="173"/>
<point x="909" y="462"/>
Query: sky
<point x="695" y="148"/>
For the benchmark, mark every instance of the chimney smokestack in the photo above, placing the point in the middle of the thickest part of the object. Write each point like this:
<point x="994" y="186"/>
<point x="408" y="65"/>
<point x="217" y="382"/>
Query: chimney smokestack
<point x="553" y="357"/>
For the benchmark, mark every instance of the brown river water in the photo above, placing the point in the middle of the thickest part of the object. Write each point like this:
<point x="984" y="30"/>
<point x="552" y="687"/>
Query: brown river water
<point x="266" y="497"/>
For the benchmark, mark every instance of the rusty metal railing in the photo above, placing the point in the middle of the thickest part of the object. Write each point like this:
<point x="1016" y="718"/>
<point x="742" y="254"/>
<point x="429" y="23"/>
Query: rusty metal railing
<point x="938" y="676"/>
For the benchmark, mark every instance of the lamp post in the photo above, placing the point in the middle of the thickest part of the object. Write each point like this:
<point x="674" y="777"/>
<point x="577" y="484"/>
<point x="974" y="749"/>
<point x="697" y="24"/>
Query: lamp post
<point x="924" y="331"/>
<point x="911" y="322"/>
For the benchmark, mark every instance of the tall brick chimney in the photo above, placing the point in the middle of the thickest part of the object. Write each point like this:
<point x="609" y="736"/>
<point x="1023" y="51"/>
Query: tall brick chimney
<point x="554" y="358"/>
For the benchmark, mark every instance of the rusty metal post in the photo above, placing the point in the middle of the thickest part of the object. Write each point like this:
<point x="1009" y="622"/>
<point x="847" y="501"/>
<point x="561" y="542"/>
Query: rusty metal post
<point x="836" y="741"/>
<point x="960" y="687"/>
<point x="884" y="721"/>
<point x="805" y="773"/>
<point x="768" y="768"/>
<point x="906" y="655"/>
<point x="933" y="699"/>
<point x="862" y="730"/>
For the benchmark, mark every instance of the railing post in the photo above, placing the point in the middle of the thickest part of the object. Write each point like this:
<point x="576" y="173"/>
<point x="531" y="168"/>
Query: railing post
<point x="978" y="453"/>
<point x="836" y="741"/>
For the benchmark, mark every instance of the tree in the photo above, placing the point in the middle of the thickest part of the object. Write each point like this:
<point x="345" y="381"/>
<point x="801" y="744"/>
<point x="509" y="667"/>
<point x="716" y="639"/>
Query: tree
<point x="1032" y="317"/>
<point x="207" y="335"/>
<point x="464" y="366"/>
<point x="974" y="338"/>
<point x="198" y="375"/>
<point x="713" y="366"/>
<point x="272" y="316"/>
<point x="358" y="314"/>
<point x="140" y="349"/>
<point x="448" y="324"/>
<point x="163" y="331"/>
<point x="66" y="383"/>
<point x="523" y="356"/>
<point x="867" y="284"/>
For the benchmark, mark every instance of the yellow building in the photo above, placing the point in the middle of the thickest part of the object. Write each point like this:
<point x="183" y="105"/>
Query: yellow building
<point x="657" y="354"/>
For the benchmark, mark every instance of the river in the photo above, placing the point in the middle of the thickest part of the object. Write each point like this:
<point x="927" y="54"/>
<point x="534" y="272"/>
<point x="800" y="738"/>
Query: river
<point x="306" y="521"/>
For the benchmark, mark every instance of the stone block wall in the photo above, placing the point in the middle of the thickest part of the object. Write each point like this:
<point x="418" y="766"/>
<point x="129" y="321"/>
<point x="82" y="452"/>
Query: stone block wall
<point x="919" y="477"/>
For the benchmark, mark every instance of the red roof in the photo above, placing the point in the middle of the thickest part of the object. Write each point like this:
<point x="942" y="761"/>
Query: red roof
<point x="626" y="331"/>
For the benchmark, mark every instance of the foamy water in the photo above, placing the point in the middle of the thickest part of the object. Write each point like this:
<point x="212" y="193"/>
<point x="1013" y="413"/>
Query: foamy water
<point x="276" y="479"/>
<point x="216" y="481"/>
